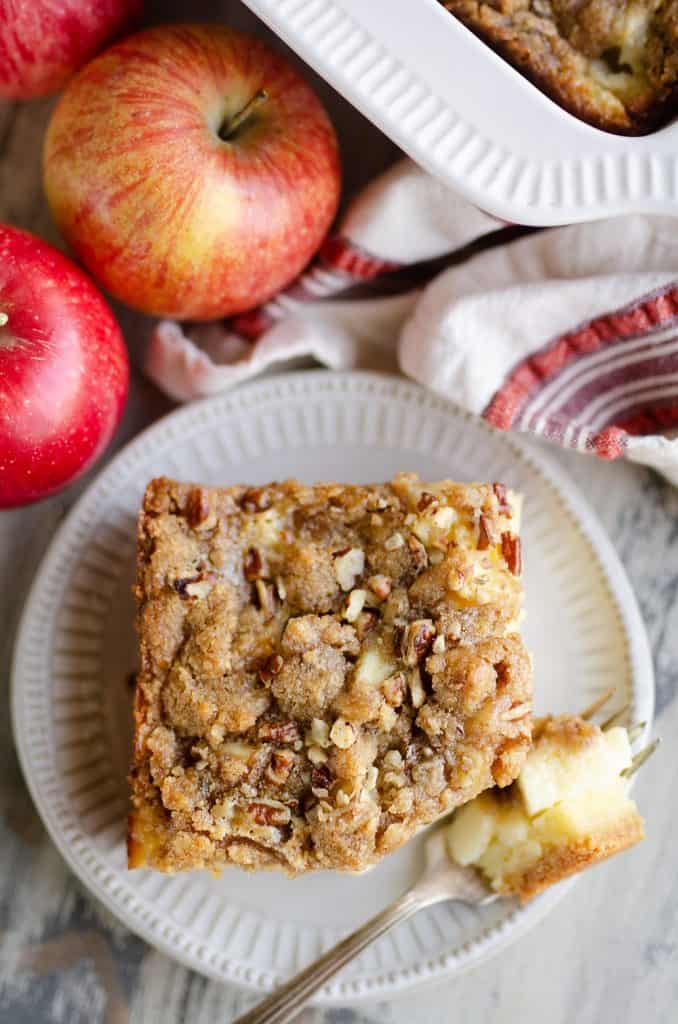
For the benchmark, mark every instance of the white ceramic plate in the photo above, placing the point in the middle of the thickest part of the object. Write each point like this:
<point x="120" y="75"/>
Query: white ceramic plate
<point x="76" y="646"/>
<point x="474" y="121"/>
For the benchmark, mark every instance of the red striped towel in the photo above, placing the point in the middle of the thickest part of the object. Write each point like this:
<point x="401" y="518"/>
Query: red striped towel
<point x="570" y="333"/>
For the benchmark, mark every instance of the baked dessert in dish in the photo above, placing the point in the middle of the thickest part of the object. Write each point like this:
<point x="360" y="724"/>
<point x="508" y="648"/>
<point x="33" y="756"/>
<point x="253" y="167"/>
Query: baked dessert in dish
<point x="613" y="63"/>
<point x="324" y="669"/>
<point x="568" y="809"/>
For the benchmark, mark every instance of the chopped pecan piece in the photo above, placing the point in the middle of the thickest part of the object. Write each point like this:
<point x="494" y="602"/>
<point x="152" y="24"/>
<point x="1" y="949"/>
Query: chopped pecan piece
<point x="308" y="802"/>
<point x="279" y="732"/>
<point x="393" y="689"/>
<point x="377" y="505"/>
<point x="417" y="640"/>
<point x="279" y="767"/>
<point x="271" y="668"/>
<point x="512" y="552"/>
<point x="320" y="779"/>
<point x="365" y="623"/>
<point x="418" y="553"/>
<point x="194" y="586"/>
<point x="484" y="534"/>
<point x="348" y="565"/>
<point x="426" y="500"/>
<point x="252" y="565"/>
<point x="266" y="596"/>
<point x="255" y="499"/>
<point x="269" y="814"/>
<point x="197" y="507"/>
<point x="501" y="494"/>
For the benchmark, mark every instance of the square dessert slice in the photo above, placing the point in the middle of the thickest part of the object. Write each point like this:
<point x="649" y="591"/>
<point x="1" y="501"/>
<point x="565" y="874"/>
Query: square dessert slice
<point x="324" y="669"/>
<point x="569" y="809"/>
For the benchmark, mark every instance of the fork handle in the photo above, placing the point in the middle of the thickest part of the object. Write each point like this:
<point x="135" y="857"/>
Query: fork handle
<point x="286" y="1001"/>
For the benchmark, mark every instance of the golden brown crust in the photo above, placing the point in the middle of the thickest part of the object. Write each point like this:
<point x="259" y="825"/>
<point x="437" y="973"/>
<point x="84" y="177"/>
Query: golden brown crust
<point x="136" y="856"/>
<point x="323" y="669"/>
<point x="569" y="732"/>
<point x="591" y="57"/>
<point x="561" y="861"/>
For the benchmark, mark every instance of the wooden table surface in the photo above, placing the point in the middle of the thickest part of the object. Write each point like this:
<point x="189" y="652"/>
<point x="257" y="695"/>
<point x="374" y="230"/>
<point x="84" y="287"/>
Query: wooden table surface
<point x="608" y="953"/>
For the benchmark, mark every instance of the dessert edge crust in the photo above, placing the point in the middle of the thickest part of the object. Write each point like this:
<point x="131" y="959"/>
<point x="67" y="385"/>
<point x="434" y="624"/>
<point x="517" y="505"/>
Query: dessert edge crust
<point x="568" y="859"/>
<point x="324" y="670"/>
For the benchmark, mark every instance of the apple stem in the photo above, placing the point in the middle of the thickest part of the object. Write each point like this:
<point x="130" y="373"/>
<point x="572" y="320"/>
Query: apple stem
<point x="3" y="319"/>
<point x="230" y="127"/>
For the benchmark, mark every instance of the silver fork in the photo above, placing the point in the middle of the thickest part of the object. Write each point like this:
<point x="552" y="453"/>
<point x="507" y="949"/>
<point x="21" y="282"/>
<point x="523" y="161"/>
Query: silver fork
<point x="440" y="880"/>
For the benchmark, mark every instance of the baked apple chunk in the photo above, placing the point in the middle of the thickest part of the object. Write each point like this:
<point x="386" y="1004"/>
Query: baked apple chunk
<point x="568" y="809"/>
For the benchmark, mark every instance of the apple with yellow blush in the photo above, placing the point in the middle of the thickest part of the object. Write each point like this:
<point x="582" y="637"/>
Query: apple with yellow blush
<point x="192" y="171"/>
<point x="43" y="42"/>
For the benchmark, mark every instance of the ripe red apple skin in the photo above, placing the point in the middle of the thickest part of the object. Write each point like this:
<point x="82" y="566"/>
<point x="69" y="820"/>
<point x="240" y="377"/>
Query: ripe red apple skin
<point x="172" y="219"/>
<point x="43" y="42"/>
<point x="63" y="370"/>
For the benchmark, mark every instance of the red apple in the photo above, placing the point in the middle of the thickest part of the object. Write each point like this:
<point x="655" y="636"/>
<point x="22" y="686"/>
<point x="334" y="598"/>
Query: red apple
<point x="42" y="42"/>
<point x="63" y="369"/>
<point x="192" y="171"/>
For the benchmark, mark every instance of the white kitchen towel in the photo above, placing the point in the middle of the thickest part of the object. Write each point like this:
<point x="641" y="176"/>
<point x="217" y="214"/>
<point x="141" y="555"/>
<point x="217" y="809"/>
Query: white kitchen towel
<point x="569" y="333"/>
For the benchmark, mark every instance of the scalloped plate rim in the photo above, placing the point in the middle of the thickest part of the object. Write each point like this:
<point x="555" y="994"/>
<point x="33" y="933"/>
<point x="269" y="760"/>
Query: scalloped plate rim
<point x="245" y="975"/>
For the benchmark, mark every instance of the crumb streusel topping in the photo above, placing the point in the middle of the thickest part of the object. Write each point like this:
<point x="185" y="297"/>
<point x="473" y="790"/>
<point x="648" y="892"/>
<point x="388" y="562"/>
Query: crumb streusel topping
<point x="611" y="62"/>
<point x="324" y="669"/>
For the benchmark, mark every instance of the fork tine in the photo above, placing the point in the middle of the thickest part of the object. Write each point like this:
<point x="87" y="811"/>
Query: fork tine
<point x="597" y="704"/>
<point x="635" y="730"/>
<point x="640" y="759"/>
<point x="609" y="722"/>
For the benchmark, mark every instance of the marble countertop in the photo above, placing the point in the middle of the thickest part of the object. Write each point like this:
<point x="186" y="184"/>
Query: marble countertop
<point x="608" y="953"/>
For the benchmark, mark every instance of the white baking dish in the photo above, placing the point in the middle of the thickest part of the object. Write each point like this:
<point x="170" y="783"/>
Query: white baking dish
<point x="465" y="114"/>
